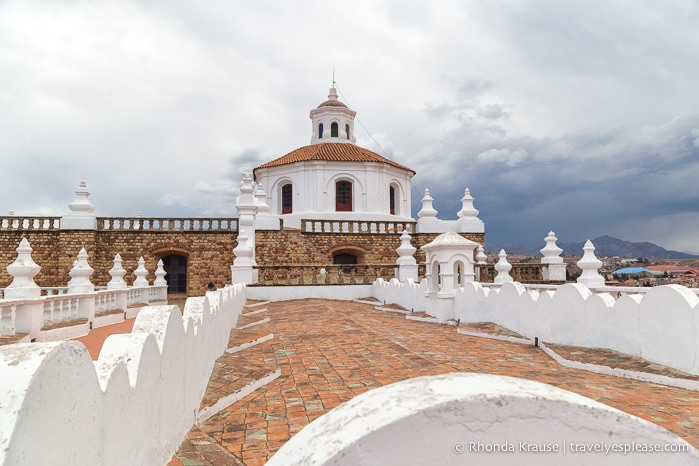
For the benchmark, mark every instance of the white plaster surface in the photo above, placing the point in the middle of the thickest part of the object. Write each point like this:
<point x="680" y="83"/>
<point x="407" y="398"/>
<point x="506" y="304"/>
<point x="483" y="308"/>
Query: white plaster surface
<point x="134" y="405"/>
<point x="443" y="419"/>
<point x="286" y="293"/>
<point x="661" y="326"/>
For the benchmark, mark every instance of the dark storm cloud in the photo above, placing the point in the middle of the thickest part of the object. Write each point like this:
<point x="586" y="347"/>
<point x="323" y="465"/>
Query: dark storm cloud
<point x="584" y="184"/>
<point x="561" y="115"/>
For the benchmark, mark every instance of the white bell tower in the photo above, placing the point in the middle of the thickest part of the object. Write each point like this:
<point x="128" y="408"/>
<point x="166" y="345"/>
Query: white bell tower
<point x="333" y="121"/>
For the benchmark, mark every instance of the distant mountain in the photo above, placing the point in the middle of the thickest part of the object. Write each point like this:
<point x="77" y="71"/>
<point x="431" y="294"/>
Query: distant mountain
<point x="605" y="246"/>
<point x="608" y="246"/>
<point x="512" y="249"/>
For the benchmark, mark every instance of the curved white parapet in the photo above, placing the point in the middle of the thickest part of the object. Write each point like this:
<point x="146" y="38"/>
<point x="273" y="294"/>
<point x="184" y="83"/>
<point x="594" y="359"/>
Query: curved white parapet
<point x="134" y="405"/>
<point x="479" y="419"/>
<point x="661" y="326"/>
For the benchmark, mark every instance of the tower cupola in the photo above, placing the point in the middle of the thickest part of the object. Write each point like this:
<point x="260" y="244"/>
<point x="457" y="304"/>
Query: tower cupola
<point x="332" y="121"/>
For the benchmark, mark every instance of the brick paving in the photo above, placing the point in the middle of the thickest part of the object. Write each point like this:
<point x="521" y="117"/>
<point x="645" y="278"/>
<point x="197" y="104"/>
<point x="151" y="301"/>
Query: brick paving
<point x="330" y="351"/>
<point x="94" y="340"/>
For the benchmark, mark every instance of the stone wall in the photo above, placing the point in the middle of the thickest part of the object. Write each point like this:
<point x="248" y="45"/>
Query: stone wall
<point x="294" y="247"/>
<point x="209" y="254"/>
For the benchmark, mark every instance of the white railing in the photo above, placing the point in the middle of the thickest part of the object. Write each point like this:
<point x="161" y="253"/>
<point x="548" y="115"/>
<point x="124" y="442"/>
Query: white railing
<point x="356" y="226"/>
<point x="616" y="291"/>
<point x="166" y="224"/>
<point x="35" y="315"/>
<point x="30" y="223"/>
<point x="67" y="409"/>
<point x="658" y="324"/>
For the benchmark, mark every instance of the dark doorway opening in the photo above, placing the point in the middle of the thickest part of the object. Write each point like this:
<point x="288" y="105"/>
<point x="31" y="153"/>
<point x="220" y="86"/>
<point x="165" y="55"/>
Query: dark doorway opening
<point x="176" y="269"/>
<point x="347" y="260"/>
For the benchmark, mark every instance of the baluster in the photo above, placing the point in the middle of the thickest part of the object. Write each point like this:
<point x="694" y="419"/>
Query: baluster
<point x="7" y="321"/>
<point x="48" y="311"/>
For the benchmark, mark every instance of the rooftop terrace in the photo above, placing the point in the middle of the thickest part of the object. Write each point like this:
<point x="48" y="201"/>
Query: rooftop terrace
<point x="330" y="351"/>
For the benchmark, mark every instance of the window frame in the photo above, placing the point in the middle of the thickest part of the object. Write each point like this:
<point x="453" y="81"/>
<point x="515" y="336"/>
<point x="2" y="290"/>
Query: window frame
<point x="287" y="193"/>
<point x="343" y="192"/>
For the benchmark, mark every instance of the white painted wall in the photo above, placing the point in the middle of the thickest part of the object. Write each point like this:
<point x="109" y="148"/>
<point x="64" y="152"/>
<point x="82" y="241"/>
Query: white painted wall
<point x="286" y="293"/>
<point x="444" y="419"/>
<point x="661" y="326"/>
<point x="134" y="405"/>
<point x="313" y="185"/>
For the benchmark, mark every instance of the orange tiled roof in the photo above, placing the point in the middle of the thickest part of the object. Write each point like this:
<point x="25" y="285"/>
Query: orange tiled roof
<point x="332" y="152"/>
<point x="332" y="103"/>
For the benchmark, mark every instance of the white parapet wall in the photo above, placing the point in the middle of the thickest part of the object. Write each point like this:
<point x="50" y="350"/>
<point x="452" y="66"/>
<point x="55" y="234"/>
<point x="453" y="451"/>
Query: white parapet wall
<point x="661" y="325"/>
<point x="480" y="419"/>
<point x="286" y="293"/>
<point x="408" y="294"/>
<point x="134" y="405"/>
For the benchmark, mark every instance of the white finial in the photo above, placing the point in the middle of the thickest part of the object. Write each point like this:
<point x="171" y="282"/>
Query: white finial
<point x="81" y="216"/>
<point x="407" y="265"/>
<point x="80" y="275"/>
<point x="82" y="205"/>
<point x="590" y="265"/>
<point x="243" y="253"/>
<point x="481" y="257"/>
<point x="406" y="250"/>
<point x="551" y="251"/>
<point x="467" y="209"/>
<point x="427" y="210"/>
<point x="141" y="273"/>
<point x="117" y="273"/>
<point x="261" y="199"/>
<point x="503" y="267"/>
<point x="160" y="274"/>
<point x="23" y="269"/>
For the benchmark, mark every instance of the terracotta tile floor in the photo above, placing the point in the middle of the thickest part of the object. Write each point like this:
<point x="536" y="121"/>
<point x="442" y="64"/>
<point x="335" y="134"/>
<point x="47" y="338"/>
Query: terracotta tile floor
<point x="330" y="351"/>
<point x="94" y="340"/>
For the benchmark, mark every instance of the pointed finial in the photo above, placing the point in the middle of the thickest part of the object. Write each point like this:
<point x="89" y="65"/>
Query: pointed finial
<point x="333" y="75"/>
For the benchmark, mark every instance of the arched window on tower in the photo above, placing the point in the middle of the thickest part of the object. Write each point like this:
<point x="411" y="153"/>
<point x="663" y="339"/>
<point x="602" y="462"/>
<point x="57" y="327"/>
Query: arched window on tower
<point x="347" y="131"/>
<point x="333" y="130"/>
<point x="343" y="196"/>
<point x="392" y="199"/>
<point x="320" y="131"/>
<point x="287" y="199"/>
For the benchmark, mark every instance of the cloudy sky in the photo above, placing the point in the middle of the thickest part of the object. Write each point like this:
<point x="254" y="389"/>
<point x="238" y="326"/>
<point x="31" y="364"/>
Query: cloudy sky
<point x="580" y="117"/>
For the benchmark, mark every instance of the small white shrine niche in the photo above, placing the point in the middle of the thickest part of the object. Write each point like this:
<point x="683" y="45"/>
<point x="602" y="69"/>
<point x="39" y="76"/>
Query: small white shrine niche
<point x="450" y="264"/>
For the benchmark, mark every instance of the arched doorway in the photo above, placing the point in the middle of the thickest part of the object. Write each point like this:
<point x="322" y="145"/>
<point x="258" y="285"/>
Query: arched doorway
<point x="346" y="260"/>
<point x="176" y="268"/>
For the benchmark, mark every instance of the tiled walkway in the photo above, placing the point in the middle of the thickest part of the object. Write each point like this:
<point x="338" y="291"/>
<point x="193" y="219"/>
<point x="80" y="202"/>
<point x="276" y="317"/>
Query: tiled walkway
<point x="330" y="351"/>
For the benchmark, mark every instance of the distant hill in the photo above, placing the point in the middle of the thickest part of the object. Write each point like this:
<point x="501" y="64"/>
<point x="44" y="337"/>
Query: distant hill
<point x="605" y="246"/>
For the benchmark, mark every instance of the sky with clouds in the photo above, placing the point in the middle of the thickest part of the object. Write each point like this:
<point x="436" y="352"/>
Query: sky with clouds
<point x="577" y="117"/>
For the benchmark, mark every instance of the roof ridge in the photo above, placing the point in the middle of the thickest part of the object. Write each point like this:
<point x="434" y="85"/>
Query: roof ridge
<point x="331" y="151"/>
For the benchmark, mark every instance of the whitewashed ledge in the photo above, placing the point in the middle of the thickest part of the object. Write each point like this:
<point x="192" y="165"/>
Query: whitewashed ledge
<point x="478" y="419"/>
<point x="134" y="405"/>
